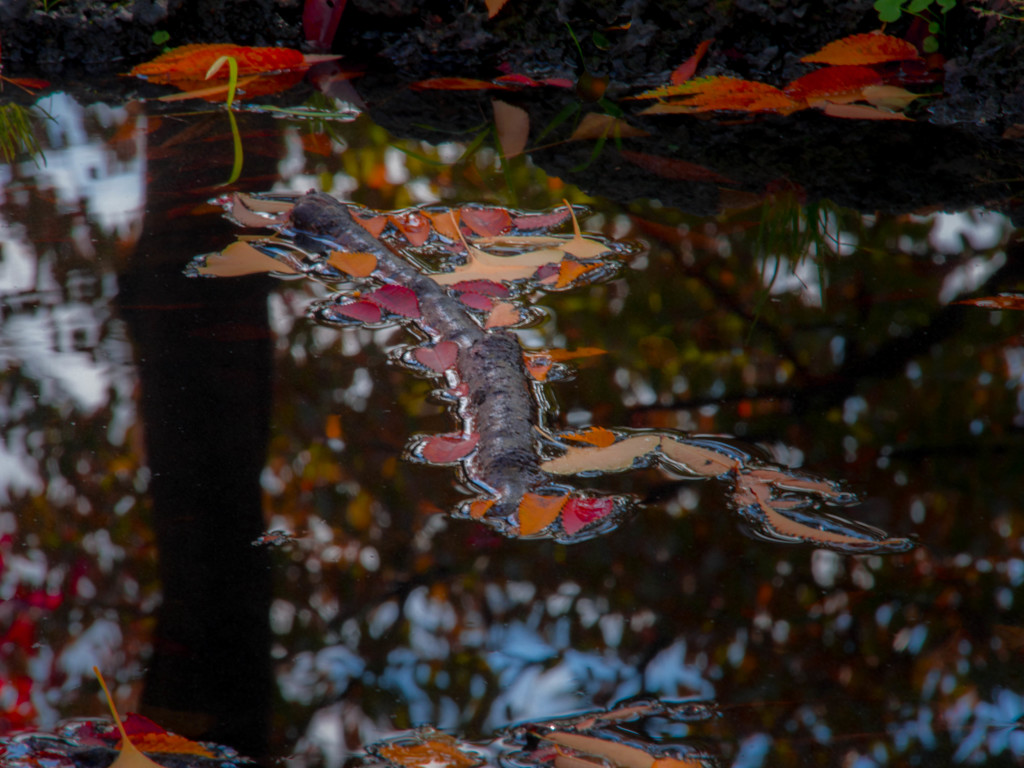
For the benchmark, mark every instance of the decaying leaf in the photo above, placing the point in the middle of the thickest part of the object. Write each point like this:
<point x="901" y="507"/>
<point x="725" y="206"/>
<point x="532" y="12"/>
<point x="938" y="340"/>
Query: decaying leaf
<point x="868" y="48"/>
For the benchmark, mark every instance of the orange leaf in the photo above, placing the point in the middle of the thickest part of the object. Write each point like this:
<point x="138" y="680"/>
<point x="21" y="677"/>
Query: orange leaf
<point x="504" y="314"/>
<point x="493" y="6"/>
<point x="723" y="93"/>
<point x="868" y="48"/>
<point x="191" y="62"/>
<point x="169" y="743"/>
<point x="444" y="224"/>
<point x="830" y="82"/>
<point x="561" y="355"/>
<point x="478" y="508"/>
<point x="598" y="436"/>
<point x="537" y="369"/>
<point x="372" y="224"/>
<point x="537" y="512"/>
<point x="685" y="71"/>
<point x="414" y="225"/>
<point x="433" y="752"/>
<point x="354" y="264"/>
<point x="568" y="271"/>
<point x="1000" y="301"/>
<point x="240" y="258"/>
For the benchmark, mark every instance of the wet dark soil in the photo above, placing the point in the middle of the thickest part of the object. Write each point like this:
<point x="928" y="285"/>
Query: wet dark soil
<point x="963" y="148"/>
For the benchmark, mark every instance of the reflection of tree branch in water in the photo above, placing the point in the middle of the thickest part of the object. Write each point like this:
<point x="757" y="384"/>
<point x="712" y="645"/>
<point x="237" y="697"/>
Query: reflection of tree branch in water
<point x="516" y="467"/>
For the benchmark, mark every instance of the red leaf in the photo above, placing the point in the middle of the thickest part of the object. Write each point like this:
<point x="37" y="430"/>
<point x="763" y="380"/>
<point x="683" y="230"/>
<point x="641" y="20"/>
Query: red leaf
<point x="439" y="357"/>
<point x="477" y="301"/>
<point x="486" y="222"/>
<point x="486" y="287"/>
<point x="136" y="725"/>
<point x="397" y="299"/>
<point x="581" y="512"/>
<point x="1000" y="301"/>
<point x="364" y="311"/>
<point x="559" y="82"/>
<point x="831" y="82"/>
<point x="685" y="70"/>
<point x="672" y="168"/>
<point x="517" y="79"/>
<point x="448" y="448"/>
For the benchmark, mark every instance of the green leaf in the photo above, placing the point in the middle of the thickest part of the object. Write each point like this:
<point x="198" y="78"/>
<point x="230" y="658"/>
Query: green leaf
<point x="602" y="42"/>
<point x="930" y="44"/>
<point x="889" y="10"/>
<point x="946" y="5"/>
<point x="934" y="27"/>
<point x="916" y="6"/>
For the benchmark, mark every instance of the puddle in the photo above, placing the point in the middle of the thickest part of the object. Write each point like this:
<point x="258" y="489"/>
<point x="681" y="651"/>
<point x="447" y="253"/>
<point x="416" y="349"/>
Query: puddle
<point x="753" y="474"/>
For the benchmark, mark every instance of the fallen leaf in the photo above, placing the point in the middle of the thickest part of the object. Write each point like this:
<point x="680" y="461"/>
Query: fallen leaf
<point x="445" y="223"/>
<point x="720" y="93"/>
<point x="569" y="271"/>
<point x="354" y="264"/>
<point x="439" y="357"/>
<point x="532" y="222"/>
<point x="374" y="224"/>
<point x="433" y="753"/>
<point x="486" y="222"/>
<point x="397" y="299"/>
<point x="1001" y="301"/>
<point x="612" y="458"/>
<point x="363" y="311"/>
<point x="868" y="48"/>
<point x="697" y="459"/>
<point x="512" y="124"/>
<point x="579" y="246"/>
<point x="537" y="512"/>
<point x="597" y="125"/>
<point x="479" y="507"/>
<point x="129" y="756"/>
<point x="889" y="96"/>
<point x="579" y="512"/>
<point x="413" y="225"/>
<point x="503" y="315"/>
<point x="860" y="112"/>
<point x="447" y="448"/>
<point x="685" y="71"/>
<point x="476" y="301"/>
<point x="485" y="287"/>
<point x="617" y="753"/>
<point x="598" y="436"/>
<point x="561" y="355"/>
<point x="240" y="258"/>
<point x="829" y="83"/>
<point x="191" y="62"/>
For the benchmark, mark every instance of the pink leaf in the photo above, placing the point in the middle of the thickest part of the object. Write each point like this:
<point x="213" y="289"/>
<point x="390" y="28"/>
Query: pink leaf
<point x="447" y="448"/>
<point x="397" y="299"/>
<point x="581" y="512"/>
<point x="439" y="357"/>
<point x="363" y="311"/>
<point x="477" y="301"/>
<point x="541" y="221"/>
<point x="486" y="287"/>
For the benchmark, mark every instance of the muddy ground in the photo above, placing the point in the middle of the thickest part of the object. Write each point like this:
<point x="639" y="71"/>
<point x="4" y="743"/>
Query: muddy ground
<point x="964" y="148"/>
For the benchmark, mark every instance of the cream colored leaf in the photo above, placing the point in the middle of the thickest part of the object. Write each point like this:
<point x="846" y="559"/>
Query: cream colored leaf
<point x="504" y="314"/>
<point x="513" y="126"/>
<point x="889" y="96"/>
<point x="579" y="246"/>
<point x="613" y="458"/>
<point x="697" y="459"/>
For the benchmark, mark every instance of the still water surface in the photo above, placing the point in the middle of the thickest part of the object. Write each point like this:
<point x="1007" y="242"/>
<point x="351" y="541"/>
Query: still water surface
<point x="203" y="491"/>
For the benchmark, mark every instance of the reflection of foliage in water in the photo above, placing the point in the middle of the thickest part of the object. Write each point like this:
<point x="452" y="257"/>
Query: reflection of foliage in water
<point x="17" y="133"/>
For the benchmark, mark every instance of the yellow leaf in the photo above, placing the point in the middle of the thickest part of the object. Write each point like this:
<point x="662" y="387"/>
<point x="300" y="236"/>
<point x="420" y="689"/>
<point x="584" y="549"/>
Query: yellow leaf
<point x="537" y="512"/>
<point x="354" y="264"/>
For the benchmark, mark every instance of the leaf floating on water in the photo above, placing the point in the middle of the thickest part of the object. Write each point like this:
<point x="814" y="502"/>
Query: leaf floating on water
<point x="439" y="357"/>
<point x="580" y="512"/>
<point x="432" y="753"/>
<point x="477" y="301"/>
<point x="697" y="459"/>
<point x="456" y="84"/>
<point x="889" y="96"/>
<point x="375" y="225"/>
<point x="129" y="756"/>
<point x="414" y="225"/>
<point x="448" y="448"/>
<point x="598" y="436"/>
<point x="193" y="61"/>
<point x="485" y="287"/>
<point x="868" y="48"/>
<point x="479" y="507"/>
<point x="579" y="246"/>
<point x="363" y="311"/>
<point x="562" y="355"/>
<point x="537" y="512"/>
<point x="617" y="753"/>
<point x="240" y="258"/>
<point x="354" y="264"/>
<point x="170" y="743"/>
<point x="486" y="222"/>
<point x="612" y="458"/>
<point x="503" y="315"/>
<point x="396" y="298"/>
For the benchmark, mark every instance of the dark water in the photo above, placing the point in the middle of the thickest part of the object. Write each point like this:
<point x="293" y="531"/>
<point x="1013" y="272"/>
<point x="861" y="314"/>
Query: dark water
<point x="156" y="428"/>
